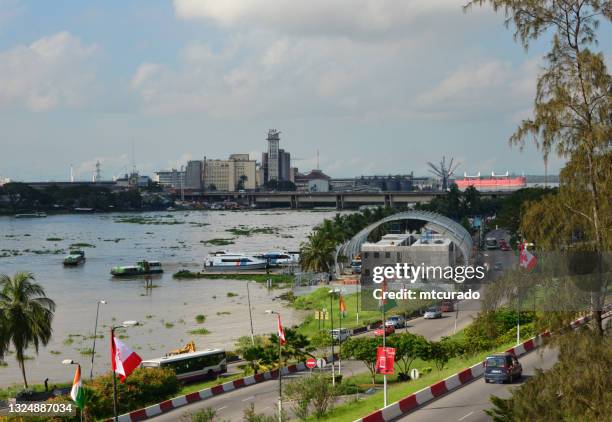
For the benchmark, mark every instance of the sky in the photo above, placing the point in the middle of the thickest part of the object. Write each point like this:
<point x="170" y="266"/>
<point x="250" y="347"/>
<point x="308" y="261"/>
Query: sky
<point x="373" y="86"/>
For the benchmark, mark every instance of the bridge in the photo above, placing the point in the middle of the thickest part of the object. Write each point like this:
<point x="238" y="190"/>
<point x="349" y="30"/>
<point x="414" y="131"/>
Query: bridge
<point x="337" y="200"/>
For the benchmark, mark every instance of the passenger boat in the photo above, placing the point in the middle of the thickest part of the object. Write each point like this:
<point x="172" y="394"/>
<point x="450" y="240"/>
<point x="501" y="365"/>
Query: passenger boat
<point x="31" y="215"/>
<point x="141" y="268"/>
<point x="75" y="257"/>
<point x="226" y="261"/>
<point x="278" y="259"/>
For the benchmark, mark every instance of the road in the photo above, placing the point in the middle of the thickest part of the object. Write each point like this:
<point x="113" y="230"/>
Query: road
<point x="468" y="403"/>
<point x="231" y="405"/>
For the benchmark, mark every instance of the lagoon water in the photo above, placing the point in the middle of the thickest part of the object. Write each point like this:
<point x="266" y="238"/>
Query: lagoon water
<point x="167" y="311"/>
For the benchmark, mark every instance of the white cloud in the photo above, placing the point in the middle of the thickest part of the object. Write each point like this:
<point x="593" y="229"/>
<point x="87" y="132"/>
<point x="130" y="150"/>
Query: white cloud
<point x="52" y="72"/>
<point x="354" y="18"/>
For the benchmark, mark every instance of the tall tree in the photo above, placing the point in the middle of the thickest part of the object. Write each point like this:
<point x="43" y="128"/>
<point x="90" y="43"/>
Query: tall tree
<point x="26" y="314"/>
<point x="571" y="109"/>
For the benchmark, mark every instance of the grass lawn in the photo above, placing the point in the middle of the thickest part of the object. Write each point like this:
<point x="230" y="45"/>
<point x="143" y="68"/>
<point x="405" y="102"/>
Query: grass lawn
<point x="197" y="386"/>
<point x="319" y="299"/>
<point x="356" y="409"/>
<point x="12" y="390"/>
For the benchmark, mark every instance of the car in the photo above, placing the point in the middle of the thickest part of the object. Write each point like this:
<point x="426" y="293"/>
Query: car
<point x="432" y="313"/>
<point x="504" y="247"/>
<point x="386" y="330"/>
<point x="502" y="367"/>
<point x="396" y="321"/>
<point x="498" y="266"/>
<point x="340" y="334"/>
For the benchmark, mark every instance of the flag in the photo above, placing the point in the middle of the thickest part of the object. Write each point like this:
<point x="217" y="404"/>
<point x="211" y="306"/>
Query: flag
<point x="123" y="359"/>
<point x="281" y="332"/>
<point x="527" y="259"/>
<point x="385" y="304"/>
<point x="77" y="393"/>
<point x="342" y="306"/>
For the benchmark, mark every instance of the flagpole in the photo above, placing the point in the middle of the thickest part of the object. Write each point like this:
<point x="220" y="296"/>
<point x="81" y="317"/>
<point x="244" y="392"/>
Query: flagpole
<point x="339" y="335"/>
<point x="116" y="418"/>
<point x="250" y="313"/>
<point x="280" y="375"/>
<point x="331" y="310"/>
<point x="384" y="327"/>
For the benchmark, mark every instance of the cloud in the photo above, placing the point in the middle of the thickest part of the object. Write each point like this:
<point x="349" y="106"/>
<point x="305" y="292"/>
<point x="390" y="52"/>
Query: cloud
<point x="346" y="18"/>
<point x="52" y="72"/>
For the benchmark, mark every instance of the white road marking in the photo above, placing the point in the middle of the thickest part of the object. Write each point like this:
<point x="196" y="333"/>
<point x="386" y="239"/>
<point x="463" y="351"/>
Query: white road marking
<point x="463" y="417"/>
<point x="249" y="398"/>
<point x="221" y="408"/>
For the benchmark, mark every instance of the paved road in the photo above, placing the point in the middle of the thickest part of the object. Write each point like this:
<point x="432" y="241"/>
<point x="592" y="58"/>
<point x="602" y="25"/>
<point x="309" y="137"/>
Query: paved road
<point x="467" y="404"/>
<point x="230" y="406"/>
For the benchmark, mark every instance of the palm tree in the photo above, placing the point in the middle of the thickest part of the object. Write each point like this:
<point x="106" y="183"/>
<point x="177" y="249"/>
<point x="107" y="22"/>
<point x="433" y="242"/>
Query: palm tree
<point x="317" y="254"/>
<point x="26" y="314"/>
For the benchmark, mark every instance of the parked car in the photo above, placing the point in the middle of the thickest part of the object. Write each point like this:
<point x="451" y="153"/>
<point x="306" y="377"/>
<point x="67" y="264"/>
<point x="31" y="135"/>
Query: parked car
<point x="432" y="313"/>
<point x="387" y="330"/>
<point x="447" y="306"/>
<point x="340" y="334"/>
<point x="504" y="247"/>
<point x="498" y="266"/>
<point x="502" y="367"/>
<point x="396" y="321"/>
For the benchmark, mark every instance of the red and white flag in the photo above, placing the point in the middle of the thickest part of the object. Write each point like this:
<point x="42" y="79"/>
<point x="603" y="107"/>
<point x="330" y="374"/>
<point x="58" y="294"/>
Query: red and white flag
<point x="123" y="359"/>
<point x="527" y="259"/>
<point x="281" y="332"/>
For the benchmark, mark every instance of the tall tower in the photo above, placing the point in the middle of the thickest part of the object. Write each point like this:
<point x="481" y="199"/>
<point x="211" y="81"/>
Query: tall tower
<point x="273" y="155"/>
<point x="97" y="172"/>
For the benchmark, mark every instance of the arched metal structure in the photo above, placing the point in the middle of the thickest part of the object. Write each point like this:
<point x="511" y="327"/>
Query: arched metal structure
<point x="435" y="222"/>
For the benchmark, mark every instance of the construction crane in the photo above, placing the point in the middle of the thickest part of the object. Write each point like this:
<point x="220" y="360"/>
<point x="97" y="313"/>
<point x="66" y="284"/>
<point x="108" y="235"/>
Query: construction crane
<point x="443" y="171"/>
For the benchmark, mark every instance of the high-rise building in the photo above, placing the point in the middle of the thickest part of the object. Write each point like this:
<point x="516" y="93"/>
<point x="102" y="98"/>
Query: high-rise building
<point x="273" y="159"/>
<point x="193" y="175"/>
<point x="284" y="165"/>
<point x="236" y="173"/>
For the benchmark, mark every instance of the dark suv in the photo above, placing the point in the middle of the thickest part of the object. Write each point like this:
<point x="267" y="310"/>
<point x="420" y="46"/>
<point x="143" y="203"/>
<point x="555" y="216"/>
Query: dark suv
<point x="502" y="367"/>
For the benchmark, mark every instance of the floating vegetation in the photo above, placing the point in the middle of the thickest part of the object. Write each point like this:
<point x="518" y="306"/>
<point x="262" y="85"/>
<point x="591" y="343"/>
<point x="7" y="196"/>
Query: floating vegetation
<point x="200" y="318"/>
<point x="55" y="352"/>
<point x="199" y="332"/>
<point x="232" y="294"/>
<point x="218" y="242"/>
<point x="82" y="245"/>
<point x="149" y="316"/>
<point x="116" y="240"/>
<point x="148" y="220"/>
<point x="168" y="325"/>
<point x="223" y="313"/>
<point x="249" y="231"/>
<point x="3" y="364"/>
<point x="54" y="239"/>
<point x="194" y="224"/>
<point x="88" y="351"/>
<point x="68" y="341"/>
<point x="5" y="253"/>
<point x="45" y="251"/>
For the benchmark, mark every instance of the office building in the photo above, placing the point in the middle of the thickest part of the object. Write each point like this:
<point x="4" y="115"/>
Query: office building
<point x="236" y="173"/>
<point x="170" y="178"/>
<point x="193" y="175"/>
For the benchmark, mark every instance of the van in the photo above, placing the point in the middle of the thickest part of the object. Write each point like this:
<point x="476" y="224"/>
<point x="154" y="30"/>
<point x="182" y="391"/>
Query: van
<point x="340" y="334"/>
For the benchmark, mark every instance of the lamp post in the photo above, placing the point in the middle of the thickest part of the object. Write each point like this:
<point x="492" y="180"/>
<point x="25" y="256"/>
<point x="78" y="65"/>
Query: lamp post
<point x="332" y="293"/>
<point x="71" y="362"/>
<point x="280" y="370"/>
<point x="95" y="334"/>
<point x="125" y="324"/>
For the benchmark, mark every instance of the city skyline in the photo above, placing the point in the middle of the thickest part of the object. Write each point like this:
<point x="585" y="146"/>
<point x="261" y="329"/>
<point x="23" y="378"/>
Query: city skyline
<point x="360" y="83"/>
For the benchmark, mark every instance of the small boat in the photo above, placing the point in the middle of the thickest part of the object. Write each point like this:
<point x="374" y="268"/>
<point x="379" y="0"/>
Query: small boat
<point x="31" y="215"/>
<point x="75" y="257"/>
<point x="141" y="268"/>
<point x="226" y="261"/>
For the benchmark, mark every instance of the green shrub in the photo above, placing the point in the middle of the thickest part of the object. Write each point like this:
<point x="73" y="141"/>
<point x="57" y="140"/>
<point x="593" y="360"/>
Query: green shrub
<point x="200" y="318"/>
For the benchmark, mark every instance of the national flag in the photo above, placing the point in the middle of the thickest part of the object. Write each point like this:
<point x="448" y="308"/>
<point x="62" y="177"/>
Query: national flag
<point x="385" y="304"/>
<point x="123" y="359"/>
<point x="342" y="305"/>
<point x="77" y="393"/>
<point x="527" y="259"/>
<point x="281" y="332"/>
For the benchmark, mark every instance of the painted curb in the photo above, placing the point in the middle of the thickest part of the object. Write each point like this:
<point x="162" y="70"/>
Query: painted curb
<point x="458" y="380"/>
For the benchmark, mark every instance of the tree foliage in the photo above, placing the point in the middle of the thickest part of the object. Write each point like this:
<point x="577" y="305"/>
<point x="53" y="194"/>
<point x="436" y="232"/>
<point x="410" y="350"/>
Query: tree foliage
<point x="26" y="315"/>
<point x="312" y="394"/>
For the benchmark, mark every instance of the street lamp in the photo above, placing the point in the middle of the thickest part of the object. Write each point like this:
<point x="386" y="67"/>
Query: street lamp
<point x="93" y="349"/>
<point x="332" y="292"/>
<point x="71" y="362"/>
<point x="125" y="324"/>
<point x="280" y="369"/>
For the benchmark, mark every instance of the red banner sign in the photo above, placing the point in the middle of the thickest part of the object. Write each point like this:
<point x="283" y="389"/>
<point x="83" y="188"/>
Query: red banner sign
<point x="385" y="360"/>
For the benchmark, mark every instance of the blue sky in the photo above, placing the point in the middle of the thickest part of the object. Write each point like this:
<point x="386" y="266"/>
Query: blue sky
<point x="377" y="86"/>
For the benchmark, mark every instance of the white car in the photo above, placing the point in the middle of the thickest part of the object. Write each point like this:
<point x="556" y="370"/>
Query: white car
<point x="397" y="321"/>
<point x="432" y="313"/>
